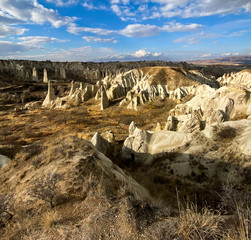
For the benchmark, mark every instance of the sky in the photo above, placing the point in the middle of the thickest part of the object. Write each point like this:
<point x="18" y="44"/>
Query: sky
<point x="124" y="30"/>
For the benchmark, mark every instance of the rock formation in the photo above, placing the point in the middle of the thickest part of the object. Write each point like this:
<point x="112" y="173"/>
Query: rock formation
<point x="34" y="74"/>
<point x="101" y="144"/>
<point x="104" y="99"/>
<point x="50" y="97"/>
<point x="45" y="79"/>
<point x="240" y="79"/>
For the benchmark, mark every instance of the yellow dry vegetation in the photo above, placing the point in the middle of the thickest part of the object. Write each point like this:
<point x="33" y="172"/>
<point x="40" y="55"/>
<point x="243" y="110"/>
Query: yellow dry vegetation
<point x="173" y="77"/>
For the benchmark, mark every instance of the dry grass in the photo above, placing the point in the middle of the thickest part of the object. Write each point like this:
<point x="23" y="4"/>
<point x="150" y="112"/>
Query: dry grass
<point x="49" y="219"/>
<point x="173" y="77"/>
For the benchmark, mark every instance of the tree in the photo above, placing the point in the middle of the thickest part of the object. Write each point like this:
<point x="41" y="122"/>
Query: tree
<point x="46" y="188"/>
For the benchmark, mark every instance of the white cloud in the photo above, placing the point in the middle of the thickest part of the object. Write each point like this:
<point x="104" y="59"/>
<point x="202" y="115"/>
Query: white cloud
<point x="206" y="55"/>
<point x="226" y="54"/>
<point x="178" y="27"/>
<point x="140" y="30"/>
<point x="181" y="8"/>
<point x="62" y="3"/>
<point x="187" y="40"/>
<point x="74" y="29"/>
<point x="157" y="54"/>
<point x="116" y="9"/>
<point x="141" y="53"/>
<point x="100" y="40"/>
<point x="238" y="34"/>
<point x="90" y="6"/>
<point x="230" y="54"/>
<point x="31" y="12"/>
<point x="6" y="30"/>
<point x="85" y="53"/>
<point x="37" y="41"/>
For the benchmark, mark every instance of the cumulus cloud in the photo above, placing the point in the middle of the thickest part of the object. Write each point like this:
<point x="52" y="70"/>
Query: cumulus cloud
<point x="100" y="40"/>
<point x="30" y="11"/>
<point x="62" y="3"/>
<point x="136" y="30"/>
<point x="141" y="53"/>
<point x="6" y="30"/>
<point x="181" y="8"/>
<point x="140" y="30"/>
<point x="178" y="27"/>
<point x="37" y="41"/>
<point x="74" y="29"/>
<point x="90" y="6"/>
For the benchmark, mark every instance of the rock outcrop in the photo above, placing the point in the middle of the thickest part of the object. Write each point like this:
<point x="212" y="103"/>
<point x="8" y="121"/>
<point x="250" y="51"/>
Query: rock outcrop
<point x="143" y="145"/>
<point x="240" y="79"/>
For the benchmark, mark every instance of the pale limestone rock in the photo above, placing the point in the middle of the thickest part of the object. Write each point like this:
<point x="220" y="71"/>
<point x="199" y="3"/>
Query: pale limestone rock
<point x="129" y="95"/>
<point x="4" y="161"/>
<point x="50" y="97"/>
<point x="73" y="88"/>
<point x="109" y="136"/>
<point x="34" y="74"/>
<point x="45" y="79"/>
<point x="104" y="99"/>
<point x="158" y="127"/>
<point x="62" y="73"/>
<point x="101" y="144"/>
<point x="171" y="123"/>
<point x="191" y="125"/>
<point x="216" y="116"/>
<point x="87" y="93"/>
<point x="32" y="105"/>
<point x="132" y="128"/>
<point x="143" y="145"/>
<point x="98" y="95"/>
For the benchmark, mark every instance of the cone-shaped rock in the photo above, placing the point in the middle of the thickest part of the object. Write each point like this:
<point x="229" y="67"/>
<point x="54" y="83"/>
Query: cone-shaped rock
<point x="45" y="76"/>
<point x="104" y="99"/>
<point x="50" y="97"/>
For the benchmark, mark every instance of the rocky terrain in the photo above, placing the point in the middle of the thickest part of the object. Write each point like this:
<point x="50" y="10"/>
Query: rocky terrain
<point x="111" y="151"/>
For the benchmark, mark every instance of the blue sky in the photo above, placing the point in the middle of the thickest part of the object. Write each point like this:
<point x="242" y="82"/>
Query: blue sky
<point x="119" y="30"/>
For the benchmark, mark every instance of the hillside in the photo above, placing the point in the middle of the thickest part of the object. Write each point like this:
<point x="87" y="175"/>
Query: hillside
<point x="149" y="153"/>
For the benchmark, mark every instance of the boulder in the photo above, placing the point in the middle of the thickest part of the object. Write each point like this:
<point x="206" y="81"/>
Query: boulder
<point x="4" y="161"/>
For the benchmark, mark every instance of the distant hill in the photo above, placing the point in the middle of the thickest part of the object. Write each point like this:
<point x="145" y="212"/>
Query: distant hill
<point x="234" y="60"/>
